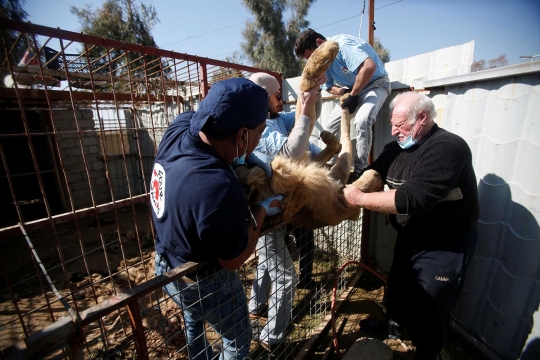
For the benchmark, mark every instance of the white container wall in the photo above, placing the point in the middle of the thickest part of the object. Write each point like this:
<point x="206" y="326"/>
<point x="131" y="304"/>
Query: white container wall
<point x="497" y="112"/>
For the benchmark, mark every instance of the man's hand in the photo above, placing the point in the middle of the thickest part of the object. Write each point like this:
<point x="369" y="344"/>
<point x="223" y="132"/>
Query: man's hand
<point x="261" y="160"/>
<point x="351" y="103"/>
<point x="308" y="98"/>
<point x="352" y="196"/>
<point x="271" y="205"/>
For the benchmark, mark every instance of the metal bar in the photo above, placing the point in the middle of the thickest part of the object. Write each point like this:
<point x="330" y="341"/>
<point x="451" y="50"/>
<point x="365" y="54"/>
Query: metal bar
<point x="74" y="315"/>
<point x="134" y="312"/>
<point x="39" y="178"/>
<point x="371" y="26"/>
<point x="56" y="95"/>
<point x="125" y="167"/>
<point x="83" y="38"/>
<point x="77" y="214"/>
<point x="204" y="80"/>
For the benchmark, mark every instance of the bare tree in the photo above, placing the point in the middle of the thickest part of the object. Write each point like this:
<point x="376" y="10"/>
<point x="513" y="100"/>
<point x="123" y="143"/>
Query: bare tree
<point x="491" y="64"/>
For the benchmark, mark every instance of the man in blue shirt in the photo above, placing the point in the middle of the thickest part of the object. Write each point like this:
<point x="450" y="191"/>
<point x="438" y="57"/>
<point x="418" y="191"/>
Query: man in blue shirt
<point x="357" y="70"/>
<point x="201" y="214"/>
<point x="276" y="278"/>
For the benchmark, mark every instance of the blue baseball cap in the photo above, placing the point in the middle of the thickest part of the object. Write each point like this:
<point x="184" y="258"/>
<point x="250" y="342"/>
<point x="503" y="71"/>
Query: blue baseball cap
<point x="231" y="105"/>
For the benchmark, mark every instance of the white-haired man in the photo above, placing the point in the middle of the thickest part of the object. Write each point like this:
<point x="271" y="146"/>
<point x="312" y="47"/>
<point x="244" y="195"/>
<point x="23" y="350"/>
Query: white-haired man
<point x="433" y="205"/>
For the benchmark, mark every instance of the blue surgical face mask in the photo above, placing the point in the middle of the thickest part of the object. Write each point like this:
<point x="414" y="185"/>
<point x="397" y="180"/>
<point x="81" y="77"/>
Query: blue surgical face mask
<point x="242" y="159"/>
<point x="408" y="141"/>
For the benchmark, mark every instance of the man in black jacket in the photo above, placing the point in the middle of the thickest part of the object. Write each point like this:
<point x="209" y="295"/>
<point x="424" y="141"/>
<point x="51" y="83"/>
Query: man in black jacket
<point x="433" y="205"/>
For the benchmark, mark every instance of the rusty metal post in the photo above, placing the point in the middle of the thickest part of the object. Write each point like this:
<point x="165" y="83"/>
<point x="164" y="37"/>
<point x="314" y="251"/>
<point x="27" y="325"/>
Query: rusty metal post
<point x="204" y="81"/>
<point x="371" y="27"/>
<point x="134" y="312"/>
<point x="366" y="214"/>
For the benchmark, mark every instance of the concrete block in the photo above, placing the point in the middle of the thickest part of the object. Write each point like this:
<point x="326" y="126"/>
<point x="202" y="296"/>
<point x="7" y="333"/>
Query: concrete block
<point x="90" y="139"/>
<point x="79" y="185"/>
<point x="76" y="168"/>
<point x="77" y="194"/>
<point x="92" y="149"/>
<point x="73" y="178"/>
<point x="97" y="165"/>
<point x="100" y="181"/>
<point x="75" y="159"/>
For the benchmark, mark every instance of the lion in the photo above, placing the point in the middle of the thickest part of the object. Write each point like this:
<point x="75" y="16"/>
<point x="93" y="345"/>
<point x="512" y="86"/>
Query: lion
<point x="309" y="186"/>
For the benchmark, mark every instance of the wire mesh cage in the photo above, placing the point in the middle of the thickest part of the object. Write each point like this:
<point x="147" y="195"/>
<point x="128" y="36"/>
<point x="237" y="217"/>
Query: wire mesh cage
<point x="83" y="118"/>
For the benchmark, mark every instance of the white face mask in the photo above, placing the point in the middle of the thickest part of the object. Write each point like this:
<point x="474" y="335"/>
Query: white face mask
<point x="242" y="159"/>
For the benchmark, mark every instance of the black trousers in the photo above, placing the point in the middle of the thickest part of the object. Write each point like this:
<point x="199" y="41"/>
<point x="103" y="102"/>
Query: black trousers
<point x="424" y="285"/>
<point x="304" y="241"/>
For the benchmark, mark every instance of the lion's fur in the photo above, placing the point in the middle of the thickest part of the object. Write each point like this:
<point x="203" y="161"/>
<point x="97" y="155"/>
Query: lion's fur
<point x="316" y="66"/>
<point x="309" y="186"/>
<point x="319" y="61"/>
<point x="306" y="187"/>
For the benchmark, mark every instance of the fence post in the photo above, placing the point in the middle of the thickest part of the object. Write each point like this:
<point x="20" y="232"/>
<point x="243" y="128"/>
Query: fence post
<point x="134" y="312"/>
<point x="204" y="81"/>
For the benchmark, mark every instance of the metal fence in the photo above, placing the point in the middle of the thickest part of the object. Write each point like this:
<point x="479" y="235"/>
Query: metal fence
<point x="82" y="118"/>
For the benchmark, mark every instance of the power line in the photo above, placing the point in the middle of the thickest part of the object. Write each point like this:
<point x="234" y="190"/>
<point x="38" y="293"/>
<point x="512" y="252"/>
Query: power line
<point x="214" y="31"/>
<point x="323" y="26"/>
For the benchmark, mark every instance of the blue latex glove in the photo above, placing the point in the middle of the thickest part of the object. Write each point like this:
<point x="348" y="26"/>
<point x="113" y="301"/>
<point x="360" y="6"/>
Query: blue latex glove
<point x="271" y="211"/>
<point x="259" y="159"/>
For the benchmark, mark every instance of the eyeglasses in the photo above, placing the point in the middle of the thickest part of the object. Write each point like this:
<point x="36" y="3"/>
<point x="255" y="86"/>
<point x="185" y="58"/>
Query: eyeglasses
<point x="278" y="97"/>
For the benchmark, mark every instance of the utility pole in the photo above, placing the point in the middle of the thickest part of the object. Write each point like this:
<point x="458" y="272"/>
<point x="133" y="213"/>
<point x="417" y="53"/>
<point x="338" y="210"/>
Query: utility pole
<point x="366" y="214"/>
<point x="371" y="26"/>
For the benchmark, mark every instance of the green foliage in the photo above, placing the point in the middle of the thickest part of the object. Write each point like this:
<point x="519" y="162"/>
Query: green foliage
<point x="129" y="21"/>
<point x="269" y="42"/>
<point x="13" y="9"/>
<point x="383" y="53"/>
<point x="499" y="61"/>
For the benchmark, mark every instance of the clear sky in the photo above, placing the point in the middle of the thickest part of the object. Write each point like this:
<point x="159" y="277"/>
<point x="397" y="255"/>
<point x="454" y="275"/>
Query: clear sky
<point x="213" y="28"/>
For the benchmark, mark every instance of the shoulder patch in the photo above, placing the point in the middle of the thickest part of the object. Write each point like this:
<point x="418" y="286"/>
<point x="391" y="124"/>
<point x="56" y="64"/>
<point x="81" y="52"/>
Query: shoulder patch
<point x="157" y="190"/>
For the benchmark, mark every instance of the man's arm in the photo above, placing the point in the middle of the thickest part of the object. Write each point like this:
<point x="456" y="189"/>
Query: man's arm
<point x="298" y="140"/>
<point x="382" y="201"/>
<point x="365" y="72"/>
<point x="254" y="233"/>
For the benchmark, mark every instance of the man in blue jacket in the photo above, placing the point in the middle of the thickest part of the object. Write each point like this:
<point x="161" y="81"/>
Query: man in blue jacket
<point x="201" y="214"/>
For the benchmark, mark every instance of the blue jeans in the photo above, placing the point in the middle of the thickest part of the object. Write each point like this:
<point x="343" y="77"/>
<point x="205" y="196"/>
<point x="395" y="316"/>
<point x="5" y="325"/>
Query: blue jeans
<point x="217" y="299"/>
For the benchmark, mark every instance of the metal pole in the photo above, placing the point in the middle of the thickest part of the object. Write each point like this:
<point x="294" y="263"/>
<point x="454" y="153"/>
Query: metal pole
<point x="371" y="26"/>
<point x="366" y="215"/>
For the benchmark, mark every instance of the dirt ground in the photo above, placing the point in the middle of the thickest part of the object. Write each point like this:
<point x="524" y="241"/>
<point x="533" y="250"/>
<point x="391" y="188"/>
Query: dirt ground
<point x="84" y="281"/>
<point x="128" y="261"/>
<point x="366" y="301"/>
